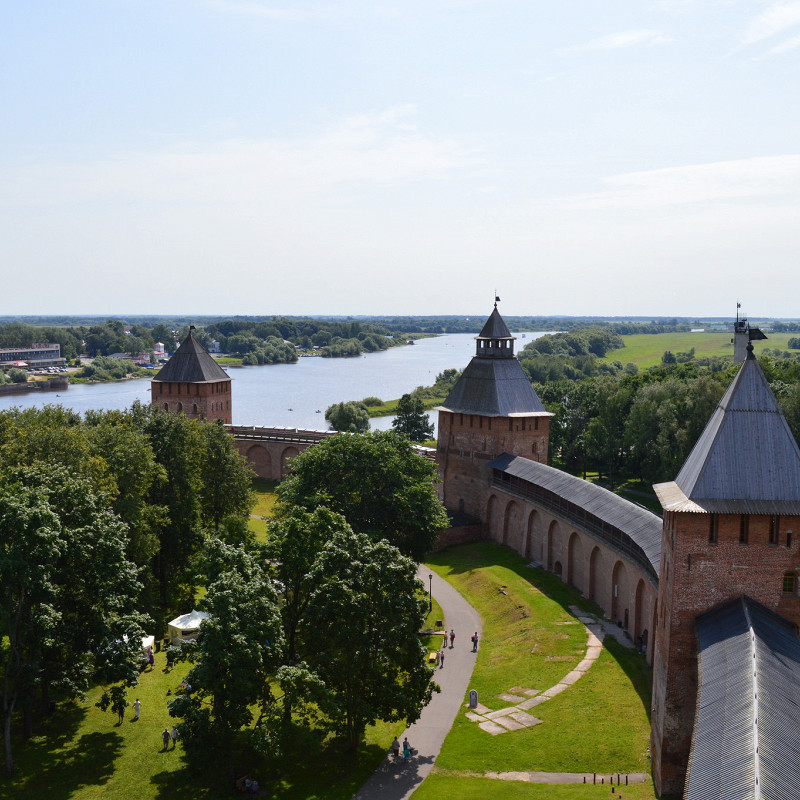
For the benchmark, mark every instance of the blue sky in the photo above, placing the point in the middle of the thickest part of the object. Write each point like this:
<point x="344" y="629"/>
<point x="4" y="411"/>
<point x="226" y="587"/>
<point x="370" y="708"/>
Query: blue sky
<point x="254" y="157"/>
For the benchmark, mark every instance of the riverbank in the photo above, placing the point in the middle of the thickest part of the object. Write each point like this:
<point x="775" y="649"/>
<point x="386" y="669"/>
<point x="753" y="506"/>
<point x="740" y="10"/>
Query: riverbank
<point x="49" y="384"/>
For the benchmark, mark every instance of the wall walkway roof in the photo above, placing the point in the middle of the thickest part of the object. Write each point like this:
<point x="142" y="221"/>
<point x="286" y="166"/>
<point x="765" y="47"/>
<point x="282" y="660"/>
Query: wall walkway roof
<point x="628" y="528"/>
<point x="746" y="741"/>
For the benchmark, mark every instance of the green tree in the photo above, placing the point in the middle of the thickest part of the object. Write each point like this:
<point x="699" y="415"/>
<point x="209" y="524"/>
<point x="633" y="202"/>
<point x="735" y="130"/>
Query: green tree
<point x="352" y="417"/>
<point x="365" y="614"/>
<point x="238" y="651"/>
<point x="64" y="622"/>
<point x="411" y="420"/>
<point x="377" y="482"/>
<point x="227" y="477"/>
<point x="18" y="375"/>
<point x="296" y="537"/>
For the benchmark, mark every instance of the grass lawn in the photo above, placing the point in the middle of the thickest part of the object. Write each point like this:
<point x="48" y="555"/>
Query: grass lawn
<point x="266" y="496"/>
<point x="81" y="752"/>
<point x="531" y="639"/>
<point x="646" y="350"/>
<point x="439" y="785"/>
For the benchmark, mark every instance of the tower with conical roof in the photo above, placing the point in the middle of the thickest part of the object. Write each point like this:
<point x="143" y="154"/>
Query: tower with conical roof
<point x="493" y="409"/>
<point x="731" y="528"/>
<point x="192" y="383"/>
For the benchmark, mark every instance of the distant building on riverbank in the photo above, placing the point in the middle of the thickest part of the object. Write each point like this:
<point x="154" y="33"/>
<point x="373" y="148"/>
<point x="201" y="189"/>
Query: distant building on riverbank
<point x="37" y="355"/>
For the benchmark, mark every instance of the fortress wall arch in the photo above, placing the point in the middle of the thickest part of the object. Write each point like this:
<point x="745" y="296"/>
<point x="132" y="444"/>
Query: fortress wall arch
<point x="534" y="541"/>
<point x="260" y="460"/>
<point x="513" y="530"/>
<point x="493" y="525"/>
<point x="577" y="572"/>
<point x="286" y="456"/>
<point x="556" y="553"/>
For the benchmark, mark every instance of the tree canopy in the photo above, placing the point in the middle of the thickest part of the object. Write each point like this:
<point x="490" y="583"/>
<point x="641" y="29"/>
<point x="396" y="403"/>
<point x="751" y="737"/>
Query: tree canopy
<point x="411" y="420"/>
<point x="351" y="417"/>
<point x="377" y="482"/>
<point x="64" y="623"/>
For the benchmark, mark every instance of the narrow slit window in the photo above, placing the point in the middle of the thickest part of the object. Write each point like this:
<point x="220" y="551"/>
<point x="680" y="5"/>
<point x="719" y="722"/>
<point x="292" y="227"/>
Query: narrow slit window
<point x="744" y="529"/>
<point x="774" y="528"/>
<point x="713" y="529"/>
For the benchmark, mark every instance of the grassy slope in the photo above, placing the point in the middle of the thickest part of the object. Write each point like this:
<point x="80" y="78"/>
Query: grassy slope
<point x="531" y="639"/>
<point x="646" y="350"/>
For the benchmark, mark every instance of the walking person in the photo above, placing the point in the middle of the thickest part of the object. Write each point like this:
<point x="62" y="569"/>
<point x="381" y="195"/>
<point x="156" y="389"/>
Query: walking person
<point x="406" y="749"/>
<point x="395" y="748"/>
<point x="137" y="707"/>
<point x="174" y="734"/>
<point x="121" y="710"/>
<point x="452" y="638"/>
<point x="475" y="642"/>
<point x="441" y="665"/>
<point x="165" y="737"/>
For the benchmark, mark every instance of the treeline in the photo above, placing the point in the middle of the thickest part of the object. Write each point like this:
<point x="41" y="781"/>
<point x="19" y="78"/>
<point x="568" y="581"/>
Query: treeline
<point x="573" y="355"/>
<point x="334" y="339"/>
<point x="644" y="426"/>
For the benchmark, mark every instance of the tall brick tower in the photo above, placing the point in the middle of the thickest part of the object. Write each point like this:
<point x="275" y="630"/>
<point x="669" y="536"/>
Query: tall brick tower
<point x="731" y="525"/>
<point x="192" y="383"/>
<point x="493" y="409"/>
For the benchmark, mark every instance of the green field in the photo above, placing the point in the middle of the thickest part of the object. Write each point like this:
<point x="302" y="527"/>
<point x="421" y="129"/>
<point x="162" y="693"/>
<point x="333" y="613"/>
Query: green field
<point x="646" y="350"/>
<point x="531" y="639"/>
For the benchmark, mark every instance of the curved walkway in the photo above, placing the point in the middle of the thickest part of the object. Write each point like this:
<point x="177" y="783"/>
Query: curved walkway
<point x="398" y="780"/>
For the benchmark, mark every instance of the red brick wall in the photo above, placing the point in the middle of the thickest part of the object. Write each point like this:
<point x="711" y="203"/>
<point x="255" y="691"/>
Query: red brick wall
<point x="467" y="442"/>
<point x="697" y="576"/>
<point x="462" y="534"/>
<point x="211" y="401"/>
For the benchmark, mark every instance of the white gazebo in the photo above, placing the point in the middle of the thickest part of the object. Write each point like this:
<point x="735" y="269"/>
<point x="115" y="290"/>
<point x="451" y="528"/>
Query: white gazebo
<point x="186" y="626"/>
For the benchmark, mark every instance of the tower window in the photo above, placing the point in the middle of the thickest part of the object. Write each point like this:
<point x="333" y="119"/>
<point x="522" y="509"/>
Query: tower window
<point x="789" y="583"/>
<point x="536" y="423"/>
<point x="774" y="528"/>
<point x="713" y="529"/>
<point x="511" y="424"/>
<point x="788" y="538"/>
<point x="744" y="529"/>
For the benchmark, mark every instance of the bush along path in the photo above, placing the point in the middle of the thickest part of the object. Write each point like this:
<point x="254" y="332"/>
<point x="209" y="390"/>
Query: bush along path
<point x="397" y="779"/>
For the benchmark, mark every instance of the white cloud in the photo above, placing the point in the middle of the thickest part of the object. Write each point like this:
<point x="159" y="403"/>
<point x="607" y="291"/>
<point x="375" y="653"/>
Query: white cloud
<point x="372" y="149"/>
<point x="784" y="47"/>
<point x="762" y="178"/>
<point x="775" y="19"/>
<point x="621" y="39"/>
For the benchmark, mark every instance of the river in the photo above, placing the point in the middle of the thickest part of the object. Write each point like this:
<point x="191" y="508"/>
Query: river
<point x="295" y="395"/>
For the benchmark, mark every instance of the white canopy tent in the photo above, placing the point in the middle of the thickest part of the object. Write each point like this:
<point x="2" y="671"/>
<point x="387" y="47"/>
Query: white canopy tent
<point x="186" y="626"/>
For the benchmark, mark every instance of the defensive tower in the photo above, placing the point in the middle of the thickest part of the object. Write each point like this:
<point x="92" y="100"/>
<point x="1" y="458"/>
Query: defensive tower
<point x="730" y="519"/>
<point x="192" y="383"/>
<point x="493" y="409"/>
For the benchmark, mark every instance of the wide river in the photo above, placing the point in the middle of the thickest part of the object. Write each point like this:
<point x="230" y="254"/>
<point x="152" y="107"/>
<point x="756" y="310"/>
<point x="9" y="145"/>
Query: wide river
<point x="296" y="395"/>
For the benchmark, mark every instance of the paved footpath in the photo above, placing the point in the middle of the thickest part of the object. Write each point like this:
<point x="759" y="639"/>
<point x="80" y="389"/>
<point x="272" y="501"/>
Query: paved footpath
<point x="397" y="780"/>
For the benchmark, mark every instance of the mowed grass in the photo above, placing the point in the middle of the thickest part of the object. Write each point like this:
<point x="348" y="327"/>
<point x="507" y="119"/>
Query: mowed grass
<point x="532" y="640"/>
<point x="266" y="496"/>
<point x="81" y="752"/>
<point x="439" y="785"/>
<point x="646" y="350"/>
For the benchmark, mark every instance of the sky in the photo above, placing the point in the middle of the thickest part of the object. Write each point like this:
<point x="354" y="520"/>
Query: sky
<point x="588" y="157"/>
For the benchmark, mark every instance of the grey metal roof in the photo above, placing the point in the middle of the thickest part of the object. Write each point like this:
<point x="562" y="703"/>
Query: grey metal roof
<point x="495" y="327"/>
<point x="746" y="740"/>
<point x="191" y="364"/>
<point x="746" y="461"/>
<point x="639" y="530"/>
<point x="494" y="387"/>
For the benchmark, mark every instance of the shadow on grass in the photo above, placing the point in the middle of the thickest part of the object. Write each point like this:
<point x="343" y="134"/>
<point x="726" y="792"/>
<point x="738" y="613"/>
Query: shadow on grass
<point x="55" y="763"/>
<point x="465" y="558"/>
